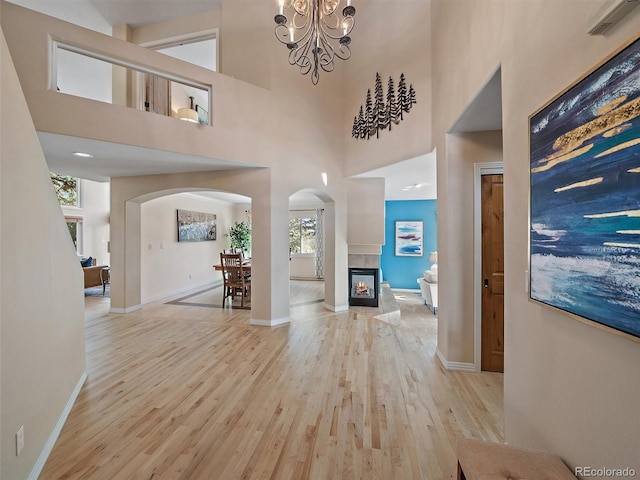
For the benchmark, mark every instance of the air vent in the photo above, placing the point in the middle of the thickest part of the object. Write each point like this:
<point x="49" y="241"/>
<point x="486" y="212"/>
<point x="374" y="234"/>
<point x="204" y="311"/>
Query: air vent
<point x="610" y="14"/>
<point x="600" y="28"/>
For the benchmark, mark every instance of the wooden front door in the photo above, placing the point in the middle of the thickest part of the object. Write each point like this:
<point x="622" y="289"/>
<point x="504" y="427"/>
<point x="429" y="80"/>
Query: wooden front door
<point x="492" y="273"/>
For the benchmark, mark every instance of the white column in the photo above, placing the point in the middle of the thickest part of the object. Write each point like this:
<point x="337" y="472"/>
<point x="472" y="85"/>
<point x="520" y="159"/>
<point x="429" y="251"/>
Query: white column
<point x="125" y="256"/>
<point x="270" y="258"/>
<point x="335" y="274"/>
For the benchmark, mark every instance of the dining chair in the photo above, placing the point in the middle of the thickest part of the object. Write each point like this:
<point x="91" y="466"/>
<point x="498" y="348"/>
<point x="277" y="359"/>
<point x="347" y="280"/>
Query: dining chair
<point x="239" y="250"/>
<point x="235" y="277"/>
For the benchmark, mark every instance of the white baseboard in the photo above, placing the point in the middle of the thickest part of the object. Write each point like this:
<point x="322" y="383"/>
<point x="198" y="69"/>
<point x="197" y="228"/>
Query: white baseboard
<point x="46" y="451"/>
<point x="182" y="290"/>
<point x="165" y="296"/>
<point x="125" y="310"/>
<point x="336" y="308"/>
<point x="458" y="366"/>
<point x="406" y="290"/>
<point x="269" y="323"/>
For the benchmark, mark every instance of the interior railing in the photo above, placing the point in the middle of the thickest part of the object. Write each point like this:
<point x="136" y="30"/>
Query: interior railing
<point x="83" y="73"/>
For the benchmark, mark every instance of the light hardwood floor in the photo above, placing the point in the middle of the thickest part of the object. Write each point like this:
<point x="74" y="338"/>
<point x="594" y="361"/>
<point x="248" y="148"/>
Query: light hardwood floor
<point x="184" y="391"/>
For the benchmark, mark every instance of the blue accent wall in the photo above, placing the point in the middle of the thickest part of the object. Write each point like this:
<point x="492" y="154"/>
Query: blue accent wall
<point x="402" y="272"/>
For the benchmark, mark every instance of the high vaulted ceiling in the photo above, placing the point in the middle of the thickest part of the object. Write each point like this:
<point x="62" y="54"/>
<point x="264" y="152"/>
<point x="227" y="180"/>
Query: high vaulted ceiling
<point x="142" y="12"/>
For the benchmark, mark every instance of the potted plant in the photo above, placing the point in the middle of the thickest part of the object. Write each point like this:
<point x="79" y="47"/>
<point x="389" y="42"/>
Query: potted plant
<point x="240" y="235"/>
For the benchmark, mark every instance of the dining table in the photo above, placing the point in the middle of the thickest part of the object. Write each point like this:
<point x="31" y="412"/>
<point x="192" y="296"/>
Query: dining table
<point x="246" y="265"/>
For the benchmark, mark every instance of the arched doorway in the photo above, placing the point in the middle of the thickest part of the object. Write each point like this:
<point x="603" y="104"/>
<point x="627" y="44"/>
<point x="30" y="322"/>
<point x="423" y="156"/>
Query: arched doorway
<point x="306" y="253"/>
<point x="172" y="265"/>
<point x="314" y="285"/>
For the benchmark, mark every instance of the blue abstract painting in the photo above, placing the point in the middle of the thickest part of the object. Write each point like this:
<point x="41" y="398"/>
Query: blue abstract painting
<point x="585" y="196"/>
<point x="409" y="238"/>
<point x="196" y="226"/>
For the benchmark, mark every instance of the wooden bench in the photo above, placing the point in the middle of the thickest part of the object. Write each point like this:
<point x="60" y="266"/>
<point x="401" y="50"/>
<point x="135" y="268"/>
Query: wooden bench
<point x="478" y="460"/>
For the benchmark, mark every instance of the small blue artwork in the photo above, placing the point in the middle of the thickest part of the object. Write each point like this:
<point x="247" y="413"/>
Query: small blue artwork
<point x="585" y="197"/>
<point x="409" y="239"/>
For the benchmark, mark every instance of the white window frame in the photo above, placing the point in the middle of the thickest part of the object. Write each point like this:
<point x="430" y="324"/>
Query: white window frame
<point x="78" y="220"/>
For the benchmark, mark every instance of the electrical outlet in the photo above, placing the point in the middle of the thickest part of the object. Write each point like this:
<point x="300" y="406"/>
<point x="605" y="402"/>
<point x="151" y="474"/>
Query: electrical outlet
<point x="19" y="440"/>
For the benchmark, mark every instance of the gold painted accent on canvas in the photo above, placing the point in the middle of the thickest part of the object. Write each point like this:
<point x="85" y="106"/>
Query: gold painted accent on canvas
<point x="552" y="161"/>
<point x="619" y="147"/>
<point x="611" y="105"/>
<point x="585" y="183"/>
<point x="634" y="170"/>
<point x="576" y="137"/>
<point x="616" y="131"/>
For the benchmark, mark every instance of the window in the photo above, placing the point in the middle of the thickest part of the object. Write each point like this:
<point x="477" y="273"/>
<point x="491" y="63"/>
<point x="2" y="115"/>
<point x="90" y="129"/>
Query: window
<point x="75" y="230"/>
<point x="67" y="189"/>
<point x="302" y="235"/>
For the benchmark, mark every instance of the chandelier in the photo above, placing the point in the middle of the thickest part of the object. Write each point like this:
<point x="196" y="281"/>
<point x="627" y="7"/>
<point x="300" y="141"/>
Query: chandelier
<point x="315" y="32"/>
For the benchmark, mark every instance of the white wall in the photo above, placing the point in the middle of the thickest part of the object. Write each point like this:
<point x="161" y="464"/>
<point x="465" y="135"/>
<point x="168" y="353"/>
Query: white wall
<point x="79" y="12"/>
<point x="365" y="211"/>
<point x="77" y="74"/>
<point x="456" y="292"/>
<point x="42" y="354"/>
<point x="389" y="39"/>
<point x="162" y="33"/>
<point x="169" y="266"/>
<point x="95" y="226"/>
<point x="302" y="266"/>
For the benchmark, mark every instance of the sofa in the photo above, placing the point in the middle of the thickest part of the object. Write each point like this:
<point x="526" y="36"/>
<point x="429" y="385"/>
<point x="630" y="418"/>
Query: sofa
<point x="92" y="276"/>
<point x="92" y="272"/>
<point x="429" y="289"/>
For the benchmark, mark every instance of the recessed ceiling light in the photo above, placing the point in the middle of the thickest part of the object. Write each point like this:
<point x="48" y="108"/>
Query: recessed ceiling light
<point x="83" y="155"/>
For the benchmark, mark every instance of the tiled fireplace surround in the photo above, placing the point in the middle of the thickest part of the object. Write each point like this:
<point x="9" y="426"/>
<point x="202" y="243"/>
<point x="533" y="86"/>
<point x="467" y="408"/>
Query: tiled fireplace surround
<point x="364" y="260"/>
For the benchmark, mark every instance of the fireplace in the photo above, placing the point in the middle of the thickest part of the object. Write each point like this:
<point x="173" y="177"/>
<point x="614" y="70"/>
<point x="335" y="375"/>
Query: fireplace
<point x="364" y="287"/>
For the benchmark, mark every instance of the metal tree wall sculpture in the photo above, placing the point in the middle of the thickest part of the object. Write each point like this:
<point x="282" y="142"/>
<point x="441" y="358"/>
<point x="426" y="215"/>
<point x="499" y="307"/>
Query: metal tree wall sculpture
<point x="380" y="115"/>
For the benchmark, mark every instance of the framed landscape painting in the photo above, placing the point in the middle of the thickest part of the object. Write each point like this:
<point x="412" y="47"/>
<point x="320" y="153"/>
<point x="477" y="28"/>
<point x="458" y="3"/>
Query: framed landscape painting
<point x="196" y="226"/>
<point x="409" y="239"/>
<point x="585" y="196"/>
